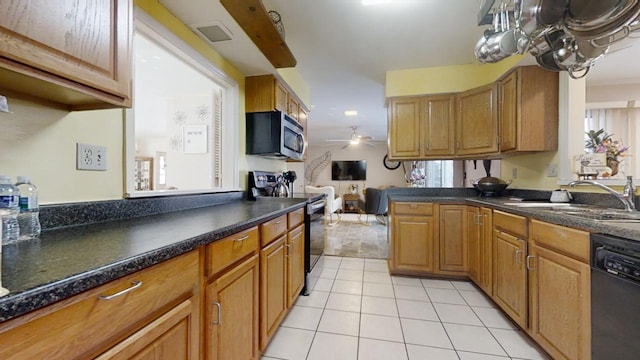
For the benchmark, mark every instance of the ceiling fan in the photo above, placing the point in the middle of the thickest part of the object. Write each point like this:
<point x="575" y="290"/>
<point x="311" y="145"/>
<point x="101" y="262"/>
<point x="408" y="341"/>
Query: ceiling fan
<point x="355" y="139"/>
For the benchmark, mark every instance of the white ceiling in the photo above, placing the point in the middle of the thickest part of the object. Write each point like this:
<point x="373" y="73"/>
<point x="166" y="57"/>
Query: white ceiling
<point x="343" y="50"/>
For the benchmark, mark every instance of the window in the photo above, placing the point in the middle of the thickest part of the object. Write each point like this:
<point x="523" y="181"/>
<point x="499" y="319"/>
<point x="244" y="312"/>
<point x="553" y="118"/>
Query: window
<point x="619" y="123"/>
<point x="182" y="132"/>
<point x="434" y="173"/>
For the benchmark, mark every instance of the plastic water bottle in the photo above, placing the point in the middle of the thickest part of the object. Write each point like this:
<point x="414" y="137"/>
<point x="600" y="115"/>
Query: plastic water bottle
<point x="9" y="204"/>
<point x="29" y="216"/>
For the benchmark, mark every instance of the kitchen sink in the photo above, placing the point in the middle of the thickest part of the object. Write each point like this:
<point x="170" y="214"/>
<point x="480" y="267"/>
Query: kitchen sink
<point x="600" y="214"/>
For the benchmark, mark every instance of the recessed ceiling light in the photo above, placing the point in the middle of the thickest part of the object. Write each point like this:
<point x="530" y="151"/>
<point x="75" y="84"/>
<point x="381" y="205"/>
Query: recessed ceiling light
<point x="350" y="113"/>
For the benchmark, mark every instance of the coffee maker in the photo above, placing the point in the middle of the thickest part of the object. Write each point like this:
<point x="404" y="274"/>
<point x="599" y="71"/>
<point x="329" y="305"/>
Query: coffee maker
<point x="261" y="184"/>
<point x="289" y="177"/>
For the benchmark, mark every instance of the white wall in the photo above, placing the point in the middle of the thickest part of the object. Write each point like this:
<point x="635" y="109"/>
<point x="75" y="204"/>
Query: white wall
<point x="377" y="174"/>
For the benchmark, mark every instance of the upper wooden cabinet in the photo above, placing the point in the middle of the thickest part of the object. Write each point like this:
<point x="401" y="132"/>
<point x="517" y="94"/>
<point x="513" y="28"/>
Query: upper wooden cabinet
<point x="422" y="127"/>
<point x="517" y="114"/>
<point x="477" y="125"/>
<point x="529" y="110"/>
<point x="76" y="53"/>
<point x="267" y="93"/>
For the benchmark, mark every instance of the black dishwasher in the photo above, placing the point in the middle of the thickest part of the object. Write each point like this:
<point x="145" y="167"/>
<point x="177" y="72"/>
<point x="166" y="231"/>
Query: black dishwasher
<point x="615" y="298"/>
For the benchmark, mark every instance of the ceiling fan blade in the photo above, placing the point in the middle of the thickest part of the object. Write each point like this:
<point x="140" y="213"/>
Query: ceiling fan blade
<point x="365" y="137"/>
<point x="369" y="144"/>
<point x="346" y="146"/>
<point x="336" y="140"/>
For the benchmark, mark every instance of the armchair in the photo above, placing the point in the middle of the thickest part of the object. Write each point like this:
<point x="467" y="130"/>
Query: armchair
<point x="333" y="204"/>
<point x="376" y="203"/>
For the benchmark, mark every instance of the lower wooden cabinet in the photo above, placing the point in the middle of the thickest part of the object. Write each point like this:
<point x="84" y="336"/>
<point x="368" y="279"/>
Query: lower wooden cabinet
<point x="168" y="337"/>
<point x="128" y="315"/>
<point x="473" y="238"/>
<point x="412" y="238"/>
<point x="233" y="312"/>
<point x="273" y="289"/>
<point x="510" y="276"/>
<point x="480" y="239"/>
<point x="453" y="243"/>
<point x="560" y="291"/>
<point x="295" y="264"/>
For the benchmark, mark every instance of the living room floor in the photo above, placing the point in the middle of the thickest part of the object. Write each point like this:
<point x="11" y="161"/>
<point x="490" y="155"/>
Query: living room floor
<point x="357" y="236"/>
<point x="356" y="310"/>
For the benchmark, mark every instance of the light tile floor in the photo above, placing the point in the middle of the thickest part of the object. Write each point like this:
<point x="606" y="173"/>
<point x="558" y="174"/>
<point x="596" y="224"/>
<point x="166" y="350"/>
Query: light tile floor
<point x="356" y="310"/>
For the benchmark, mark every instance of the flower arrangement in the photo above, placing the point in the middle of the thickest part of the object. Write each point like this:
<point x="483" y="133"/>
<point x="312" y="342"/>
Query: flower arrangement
<point x="601" y="142"/>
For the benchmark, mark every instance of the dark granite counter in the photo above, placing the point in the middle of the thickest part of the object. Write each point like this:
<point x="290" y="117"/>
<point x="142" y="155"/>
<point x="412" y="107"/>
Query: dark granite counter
<point x="69" y="260"/>
<point x="628" y="230"/>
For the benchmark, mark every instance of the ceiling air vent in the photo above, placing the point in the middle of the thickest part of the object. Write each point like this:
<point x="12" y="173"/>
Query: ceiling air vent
<point x="213" y="32"/>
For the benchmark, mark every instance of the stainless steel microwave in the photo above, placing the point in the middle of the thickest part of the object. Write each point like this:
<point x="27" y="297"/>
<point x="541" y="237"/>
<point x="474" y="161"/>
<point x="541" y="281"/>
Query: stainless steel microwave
<point x="274" y="134"/>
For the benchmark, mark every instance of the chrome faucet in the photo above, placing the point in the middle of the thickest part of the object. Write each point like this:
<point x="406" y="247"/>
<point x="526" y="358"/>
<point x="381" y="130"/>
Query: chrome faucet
<point x="627" y="197"/>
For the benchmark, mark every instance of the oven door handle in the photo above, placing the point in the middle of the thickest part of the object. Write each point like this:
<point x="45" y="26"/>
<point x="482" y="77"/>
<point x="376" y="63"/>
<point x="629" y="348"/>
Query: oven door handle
<point x="315" y="206"/>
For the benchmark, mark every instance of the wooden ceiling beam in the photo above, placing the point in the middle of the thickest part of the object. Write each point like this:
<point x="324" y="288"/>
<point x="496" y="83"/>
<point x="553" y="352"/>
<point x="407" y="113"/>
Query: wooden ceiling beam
<point x="254" y="19"/>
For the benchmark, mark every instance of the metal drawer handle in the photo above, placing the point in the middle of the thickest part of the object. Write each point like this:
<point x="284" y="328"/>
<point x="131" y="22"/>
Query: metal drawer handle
<point x="242" y="238"/>
<point x="529" y="264"/>
<point x="219" y="307"/>
<point x="134" y="285"/>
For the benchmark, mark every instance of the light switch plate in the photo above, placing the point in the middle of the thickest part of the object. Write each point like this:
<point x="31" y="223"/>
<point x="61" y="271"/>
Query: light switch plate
<point x="552" y="170"/>
<point x="91" y="157"/>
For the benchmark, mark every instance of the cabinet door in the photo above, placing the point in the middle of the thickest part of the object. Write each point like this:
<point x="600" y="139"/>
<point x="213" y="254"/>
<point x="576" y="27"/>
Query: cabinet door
<point x="412" y="240"/>
<point x="404" y="128"/>
<point x="509" y="276"/>
<point x="87" y="42"/>
<point x="477" y="124"/>
<point x="232" y="313"/>
<point x="273" y="289"/>
<point x="281" y="96"/>
<point x="294" y="107"/>
<point x="473" y="238"/>
<point x="453" y="240"/>
<point x="560" y="304"/>
<point x="438" y="127"/>
<point x="171" y="336"/>
<point x="485" y="225"/>
<point x="508" y="112"/>
<point x="295" y="264"/>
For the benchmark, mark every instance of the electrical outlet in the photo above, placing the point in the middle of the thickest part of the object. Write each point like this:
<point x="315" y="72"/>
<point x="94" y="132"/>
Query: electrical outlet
<point x="514" y="173"/>
<point x="552" y="170"/>
<point x="91" y="157"/>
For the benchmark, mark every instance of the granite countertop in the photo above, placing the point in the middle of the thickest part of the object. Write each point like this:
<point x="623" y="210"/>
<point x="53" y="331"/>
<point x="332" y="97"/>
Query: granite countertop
<point x="67" y="261"/>
<point x="627" y="230"/>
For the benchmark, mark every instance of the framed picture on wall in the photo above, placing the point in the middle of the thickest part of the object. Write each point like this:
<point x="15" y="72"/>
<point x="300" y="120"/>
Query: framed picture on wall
<point x="194" y="139"/>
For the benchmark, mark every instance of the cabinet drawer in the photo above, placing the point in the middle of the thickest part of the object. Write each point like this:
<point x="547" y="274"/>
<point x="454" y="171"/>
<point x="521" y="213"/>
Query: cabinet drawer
<point x="569" y="241"/>
<point x="87" y="324"/>
<point x="412" y="208"/>
<point x="295" y="218"/>
<point x="227" y="251"/>
<point x="513" y="224"/>
<point x="271" y="229"/>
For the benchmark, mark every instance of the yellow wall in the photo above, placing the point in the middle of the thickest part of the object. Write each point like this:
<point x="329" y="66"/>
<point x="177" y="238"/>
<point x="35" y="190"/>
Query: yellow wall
<point x="295" y="81"/>
<point x="40" y="141"/>
<point x="445" y="79"/>
<point x="531" y="171"/>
